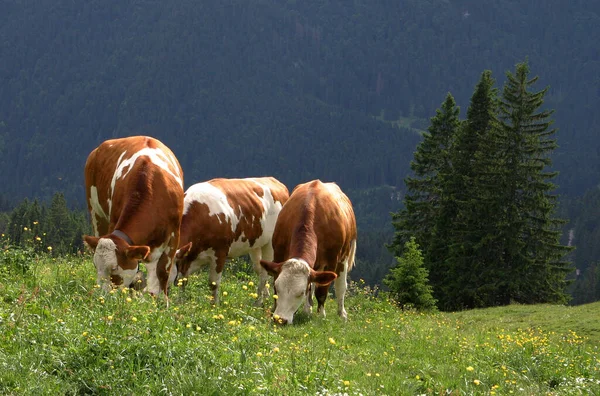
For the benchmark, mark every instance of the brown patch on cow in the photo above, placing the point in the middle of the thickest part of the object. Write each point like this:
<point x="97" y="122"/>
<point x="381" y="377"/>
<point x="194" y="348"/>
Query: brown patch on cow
<point x="162" y="271"/>
<point x="204" y="233"/>
<point x="116" y="280"/>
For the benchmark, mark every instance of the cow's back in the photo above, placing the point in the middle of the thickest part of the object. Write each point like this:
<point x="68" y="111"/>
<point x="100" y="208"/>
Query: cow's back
<point x="332" y="217"/>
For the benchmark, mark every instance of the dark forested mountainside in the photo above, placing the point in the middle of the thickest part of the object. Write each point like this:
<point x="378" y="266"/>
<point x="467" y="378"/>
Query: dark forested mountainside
<point x="290" y="89"/>
<point x="298" y="90"/>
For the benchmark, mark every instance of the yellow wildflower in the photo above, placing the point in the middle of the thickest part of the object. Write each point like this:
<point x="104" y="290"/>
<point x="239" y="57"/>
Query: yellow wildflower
<point x="331" y="341"/>
<point x="49" y="248"/>
<point x="134" y="319"/>
<point x="476" y="382"/>
<point x="470" y="368"/>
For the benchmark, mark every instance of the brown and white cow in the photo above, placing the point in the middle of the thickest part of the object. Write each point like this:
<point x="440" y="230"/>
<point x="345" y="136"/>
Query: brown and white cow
<point x="228" y="218"/>
<point x="314" y="244"/>
<point x="134" y="189"/>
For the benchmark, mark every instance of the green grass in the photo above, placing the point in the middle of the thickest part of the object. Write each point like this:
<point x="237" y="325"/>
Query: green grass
<point x="59" y="334"/>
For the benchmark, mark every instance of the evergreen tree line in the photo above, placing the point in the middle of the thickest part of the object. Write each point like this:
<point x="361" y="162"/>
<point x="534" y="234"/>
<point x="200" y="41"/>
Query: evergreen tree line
<point x="51" y="228"/>
<point x="480" y="200"/>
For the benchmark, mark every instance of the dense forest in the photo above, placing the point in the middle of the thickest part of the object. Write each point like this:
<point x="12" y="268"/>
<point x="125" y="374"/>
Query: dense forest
<point x="299" y="90"/>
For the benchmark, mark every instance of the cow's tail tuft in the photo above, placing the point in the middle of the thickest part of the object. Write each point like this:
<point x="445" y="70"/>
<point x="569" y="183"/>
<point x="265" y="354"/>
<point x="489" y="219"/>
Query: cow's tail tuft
<point x="352" y="255"/>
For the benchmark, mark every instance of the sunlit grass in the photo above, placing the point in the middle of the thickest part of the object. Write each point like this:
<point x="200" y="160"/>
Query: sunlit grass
<point x="59" y="334"/>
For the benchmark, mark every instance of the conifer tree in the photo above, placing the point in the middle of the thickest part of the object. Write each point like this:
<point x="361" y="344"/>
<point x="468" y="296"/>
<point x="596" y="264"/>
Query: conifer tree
<point x="469" y="219"/>
<point x="408" y="281"/>
<point x="422" y="200"/>
<point x="531" y="267"/>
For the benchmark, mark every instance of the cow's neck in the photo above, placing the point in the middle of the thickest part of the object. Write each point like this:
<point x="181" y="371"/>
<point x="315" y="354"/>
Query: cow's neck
<point x="304" y="238"/>
<point x="134" y="218"/>
<point x="123" y="236"/>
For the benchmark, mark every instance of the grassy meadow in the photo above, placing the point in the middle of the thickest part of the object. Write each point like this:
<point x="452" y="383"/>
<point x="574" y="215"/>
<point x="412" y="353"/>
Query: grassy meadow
<point x="59" y="334"/>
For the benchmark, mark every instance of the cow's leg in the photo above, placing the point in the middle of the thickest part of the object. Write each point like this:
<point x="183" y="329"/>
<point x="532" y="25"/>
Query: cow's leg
<point x="156" y="271"/>
<point x="308" y="304"/>
<point x="153" y="284"/>
<point x="162" y="272"/>
<point x="266" y="253"/>
<point x="214" y="275"/>
<point x="321" y="294"/>
<point x="171" y="268"/>
<point x="340" y="284"/>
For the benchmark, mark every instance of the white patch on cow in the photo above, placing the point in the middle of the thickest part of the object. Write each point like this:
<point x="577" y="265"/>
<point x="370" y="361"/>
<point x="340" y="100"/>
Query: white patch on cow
<point x="271" y="210"/>
<point x="240" y="246"/>
<point x="291" y="285"/>
<point x="153" y="284"/>
<point x="105" y="260"/>
<point x="128" y="276"/>
<point x="214" y="198"/>
<point x="158" y="157"/>
<point x="205" y="258"/>
<point x="96" y="209"/>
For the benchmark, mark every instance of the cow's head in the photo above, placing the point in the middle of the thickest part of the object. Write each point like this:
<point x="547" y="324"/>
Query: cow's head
<point x="183" y="261"/>
<point x="116" y="261"/>
<point x="292" y="281"/>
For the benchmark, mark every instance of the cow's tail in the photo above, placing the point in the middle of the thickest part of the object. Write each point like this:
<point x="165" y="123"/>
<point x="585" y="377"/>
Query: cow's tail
<point x="352" y="255"/>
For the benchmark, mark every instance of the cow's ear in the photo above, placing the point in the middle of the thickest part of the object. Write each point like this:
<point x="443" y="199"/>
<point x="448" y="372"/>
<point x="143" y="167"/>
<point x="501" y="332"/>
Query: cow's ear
<point x="272" y="268"/>
<point x="137" y="252"/>
<point x="91" y="242"/>
<point x="322" y="278"/>
<point x="183" y="251"/>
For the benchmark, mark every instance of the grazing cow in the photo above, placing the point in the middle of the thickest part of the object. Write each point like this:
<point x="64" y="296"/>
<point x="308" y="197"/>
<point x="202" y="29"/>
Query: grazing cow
<point x="314" y="244"/>
<point x="134" y="190"/>
<point x="227" y="218"/>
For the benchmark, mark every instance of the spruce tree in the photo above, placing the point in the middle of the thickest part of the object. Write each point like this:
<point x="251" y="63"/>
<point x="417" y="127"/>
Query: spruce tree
<point x="531" y="267"/>
<point x="408" y="281"/>
<point x="421" y="202"/>
<point x="469" y="218"/>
